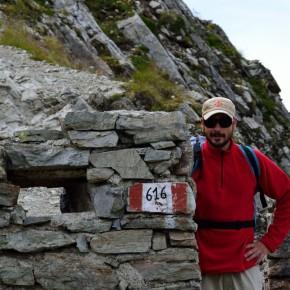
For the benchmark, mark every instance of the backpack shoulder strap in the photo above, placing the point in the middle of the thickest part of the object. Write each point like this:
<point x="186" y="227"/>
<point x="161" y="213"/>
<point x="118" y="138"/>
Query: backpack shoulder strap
<point x="255" y="166"/>
<point x="252" y="159"/>
<point x="197" y="158"/>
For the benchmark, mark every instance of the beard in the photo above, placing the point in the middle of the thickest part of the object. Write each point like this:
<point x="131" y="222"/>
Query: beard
<point x="218" y="139"/>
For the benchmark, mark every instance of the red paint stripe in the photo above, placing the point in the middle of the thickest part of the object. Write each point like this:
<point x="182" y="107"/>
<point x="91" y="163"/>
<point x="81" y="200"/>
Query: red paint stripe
<point x="179" y="197"/>
<point x="135" y="197"/>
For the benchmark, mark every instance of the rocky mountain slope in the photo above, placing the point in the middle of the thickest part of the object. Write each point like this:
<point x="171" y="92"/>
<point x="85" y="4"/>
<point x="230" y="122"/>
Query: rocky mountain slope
<point x="125" y="54"/>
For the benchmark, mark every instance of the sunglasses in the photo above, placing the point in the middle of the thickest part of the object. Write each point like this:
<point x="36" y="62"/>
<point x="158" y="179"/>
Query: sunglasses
<point x="224" y="122"/>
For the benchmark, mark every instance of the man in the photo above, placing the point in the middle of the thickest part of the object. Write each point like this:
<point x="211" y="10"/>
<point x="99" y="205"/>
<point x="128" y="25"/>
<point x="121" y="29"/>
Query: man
<point x="229" y="255"/>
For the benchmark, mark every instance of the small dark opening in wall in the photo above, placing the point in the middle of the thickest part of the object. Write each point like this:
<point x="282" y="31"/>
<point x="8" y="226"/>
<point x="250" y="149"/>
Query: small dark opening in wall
<point x="47" y="192"/>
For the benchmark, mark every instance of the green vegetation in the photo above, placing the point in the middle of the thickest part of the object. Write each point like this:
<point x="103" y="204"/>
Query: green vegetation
<point x="117" y="9"/>
<point x="107" y="13"/>
<point x="152" y="88"/>
<point x="261" y="91"/>
<point x="26" y="10"/>
<point x="50" y="49"/>
<point x="151" y="24"/>
<point x="215" y="41"/>
<point x="173" y="21"/>
<point x="140" y="58"/>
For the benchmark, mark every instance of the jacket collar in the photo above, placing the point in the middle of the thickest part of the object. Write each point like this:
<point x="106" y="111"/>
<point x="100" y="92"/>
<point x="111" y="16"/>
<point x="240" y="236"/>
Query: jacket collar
<point x="216" y="150"/>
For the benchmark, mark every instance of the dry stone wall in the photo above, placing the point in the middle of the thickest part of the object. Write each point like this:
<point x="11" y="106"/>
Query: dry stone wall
<point x="127" y="202"/>
<point x="127" y="205"/>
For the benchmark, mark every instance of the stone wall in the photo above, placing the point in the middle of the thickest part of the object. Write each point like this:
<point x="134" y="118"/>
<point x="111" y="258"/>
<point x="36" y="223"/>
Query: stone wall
<point x="127" y="204"/>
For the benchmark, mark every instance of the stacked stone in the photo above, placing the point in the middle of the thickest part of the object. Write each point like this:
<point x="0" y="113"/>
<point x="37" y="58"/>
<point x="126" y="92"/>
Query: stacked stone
<point x="279" y="267"/>
<point x="135" y="231"/>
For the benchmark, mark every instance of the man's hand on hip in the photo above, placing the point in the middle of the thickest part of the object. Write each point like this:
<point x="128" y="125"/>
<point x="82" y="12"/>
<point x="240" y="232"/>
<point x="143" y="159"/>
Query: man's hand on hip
<point x="256" y="250"/>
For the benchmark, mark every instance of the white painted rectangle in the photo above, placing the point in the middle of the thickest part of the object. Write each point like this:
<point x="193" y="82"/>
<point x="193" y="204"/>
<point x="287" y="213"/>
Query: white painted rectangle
<point x="157" y="197"/>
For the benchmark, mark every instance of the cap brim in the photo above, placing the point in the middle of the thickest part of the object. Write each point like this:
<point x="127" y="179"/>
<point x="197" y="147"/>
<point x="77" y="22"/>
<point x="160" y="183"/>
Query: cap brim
<point x="209" y="114"/>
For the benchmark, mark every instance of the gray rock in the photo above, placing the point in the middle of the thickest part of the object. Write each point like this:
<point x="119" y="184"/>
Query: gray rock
<point x="88" y="121"/>
<point x="118" y="160"/>
<point x="36" y="220"/>
<point x="162" y="168"/>
<point x="108" y="201"/>
<point x="97" y="175"/>
<point x="175" y="272"/>
<point x="191" y="115"/>
<point x="163" y="145"/>
<point x="81" y="222"/>
<point x="120" y="242"/>
<point x="82" y="20"/>
<point x="173" y="255"/>
<point x="8" y="194"/>
<point x="90" y="139"/>
<point x="156" y="221"/>
<point x="25" y="136"/>
<point x="24" y="156"/>
<point x="74" y="271"/>
<point x="18" y="215"/>
<point x="4" y="218"/>
<point x="157" y="155"/>
<point x="171" y="126"/>
<point x="184" y="167"/>
<point x="131" y="278"/>
<point x="180" y="239"/>
<point x="159" y="241"/>
<point x="82" y="243"/>
<point x="15" y="271"/>
<point x="34" y="241"/>
<point x="136" y="30"/>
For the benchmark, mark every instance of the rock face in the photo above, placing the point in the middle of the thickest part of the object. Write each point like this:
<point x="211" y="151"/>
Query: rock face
<point x="195" y="53"/>
<point x="58" y="130"/>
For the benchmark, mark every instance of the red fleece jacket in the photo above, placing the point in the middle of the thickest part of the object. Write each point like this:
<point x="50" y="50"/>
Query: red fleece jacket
<point x="225" y="192"/>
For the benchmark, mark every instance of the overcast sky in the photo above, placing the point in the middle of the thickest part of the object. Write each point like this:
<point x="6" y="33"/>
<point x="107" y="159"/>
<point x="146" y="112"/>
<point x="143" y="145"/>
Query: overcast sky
<point x="259" y="29"/>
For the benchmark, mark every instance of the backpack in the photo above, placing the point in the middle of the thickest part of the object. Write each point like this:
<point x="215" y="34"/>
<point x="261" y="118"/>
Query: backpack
<point x="249" y="153"/>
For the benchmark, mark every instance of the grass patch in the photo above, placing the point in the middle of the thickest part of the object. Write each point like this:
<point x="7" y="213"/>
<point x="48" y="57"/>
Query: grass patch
<point x="217" y="42"/>
<point x="107" y="13"/>
<point x="153" y="90"/>
<point x="27" y="10"/>
<point x="261" y="91"/>
<point x="172" y="21"/>
<point x="151" y="24"/>
<point x="117" y="9"/>
<point x="49" y="49"/>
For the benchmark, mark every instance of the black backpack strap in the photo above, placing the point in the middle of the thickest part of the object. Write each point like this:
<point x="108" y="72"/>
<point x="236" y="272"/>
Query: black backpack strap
<point x="254" y="163"/>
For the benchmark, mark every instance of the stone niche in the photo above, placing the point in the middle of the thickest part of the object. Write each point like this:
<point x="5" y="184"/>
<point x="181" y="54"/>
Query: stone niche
<point x="126" y="204"/>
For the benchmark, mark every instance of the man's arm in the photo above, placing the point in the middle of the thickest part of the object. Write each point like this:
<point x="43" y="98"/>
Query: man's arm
<point x="276" y="184"/>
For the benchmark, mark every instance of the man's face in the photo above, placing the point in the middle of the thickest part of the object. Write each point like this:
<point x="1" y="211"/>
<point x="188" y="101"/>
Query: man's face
<point x="219" y="129"/>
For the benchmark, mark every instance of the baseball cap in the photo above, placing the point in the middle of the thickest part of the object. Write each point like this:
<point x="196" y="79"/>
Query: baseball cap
<point x="218" y="105"/>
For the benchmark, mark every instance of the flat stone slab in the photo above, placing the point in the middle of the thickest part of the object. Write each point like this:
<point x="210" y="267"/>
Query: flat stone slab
<point x="168" y="272"/>
<point x="25" y="136"/>
<point x="28" y="156"/>
<point x="118" y="160"/>
<point x="142" y="126"/>
<point x="74" y="271"/>
<point x="161" y="198"/>
<point x="120" y="242"/>
<point x="34" y="241"/>
<point x="91" y="139"/>
<point x="99" y="121"/>
<point x="158" y="221"/>
<point x="16" y="272"/>
<point x="81" y="222"/>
